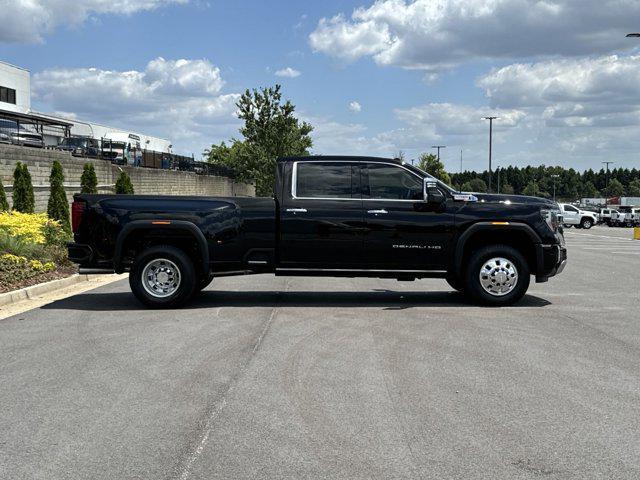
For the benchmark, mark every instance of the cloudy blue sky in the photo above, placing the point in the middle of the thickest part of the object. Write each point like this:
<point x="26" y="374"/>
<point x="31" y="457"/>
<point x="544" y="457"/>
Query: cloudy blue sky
<point x="372" y="77"/>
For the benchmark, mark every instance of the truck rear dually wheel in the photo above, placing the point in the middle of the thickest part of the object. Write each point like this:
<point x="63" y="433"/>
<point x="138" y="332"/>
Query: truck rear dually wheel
<point x="163" y="277"/>
<point x="497" y="275"/>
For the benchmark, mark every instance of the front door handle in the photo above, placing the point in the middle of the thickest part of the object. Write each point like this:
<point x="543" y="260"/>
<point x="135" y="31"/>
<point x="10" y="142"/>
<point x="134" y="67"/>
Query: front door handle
<point x="378" y="212"/>
<point x="297" y="210"/>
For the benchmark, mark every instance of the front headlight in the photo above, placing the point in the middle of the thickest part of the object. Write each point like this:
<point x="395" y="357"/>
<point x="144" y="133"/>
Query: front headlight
<point x="552" y="218"/>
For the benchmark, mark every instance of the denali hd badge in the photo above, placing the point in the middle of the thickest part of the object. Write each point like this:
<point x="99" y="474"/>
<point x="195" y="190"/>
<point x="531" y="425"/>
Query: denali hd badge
<point x="465" y="197"/>
<point x="419" y="247"/>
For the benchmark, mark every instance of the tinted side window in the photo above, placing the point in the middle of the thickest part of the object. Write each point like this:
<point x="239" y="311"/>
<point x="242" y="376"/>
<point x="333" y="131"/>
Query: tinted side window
<point x="392" y="183"/>
<point x="325" y="180"/>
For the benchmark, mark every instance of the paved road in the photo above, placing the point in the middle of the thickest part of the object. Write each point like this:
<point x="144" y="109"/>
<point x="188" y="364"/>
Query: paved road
<point x="295" y="378"/>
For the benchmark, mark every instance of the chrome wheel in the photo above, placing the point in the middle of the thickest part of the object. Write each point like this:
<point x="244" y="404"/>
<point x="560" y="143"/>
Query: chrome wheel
<point x="498" y="276"/>
<point x="161" y="278"/>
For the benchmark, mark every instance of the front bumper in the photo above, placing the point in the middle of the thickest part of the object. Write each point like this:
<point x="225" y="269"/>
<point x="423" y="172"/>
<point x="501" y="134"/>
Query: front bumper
<point x="552" y="259"/>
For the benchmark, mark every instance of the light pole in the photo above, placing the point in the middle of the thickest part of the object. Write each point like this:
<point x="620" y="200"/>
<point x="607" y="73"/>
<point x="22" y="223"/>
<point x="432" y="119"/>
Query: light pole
<point x="606" y="183"/>
<point x="491" y="119"/>
<point x="438" y="147"/>
<point x="554" y="185"/>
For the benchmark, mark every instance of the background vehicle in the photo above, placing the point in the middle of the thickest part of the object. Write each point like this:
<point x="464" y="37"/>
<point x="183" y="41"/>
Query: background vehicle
<point x="11" y="132"/>
<point x="331" y="216"/>
<point x="81" y="146"/>
<point x="628" y="216"/>
<point x="573" y="216"/>
<point x="605" y="215"/>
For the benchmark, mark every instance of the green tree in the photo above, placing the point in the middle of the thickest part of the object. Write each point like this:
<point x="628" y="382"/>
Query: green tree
<point x="23" y="197"/>
<point x="270" y="131"/>
<point x="4" y="205"/>
<point x="615" y="188"/>
<point x="589" y="190"/>
<point x="475" y="185"/>
<point x="88" y="180"/>
<point x="507" y="189"/>
<point x="430" y="164"/>
<point x="58" y="205"/>
<point x="532" y="189"/>
<point x="123" y="184"/>
<point x="634" y="188"/>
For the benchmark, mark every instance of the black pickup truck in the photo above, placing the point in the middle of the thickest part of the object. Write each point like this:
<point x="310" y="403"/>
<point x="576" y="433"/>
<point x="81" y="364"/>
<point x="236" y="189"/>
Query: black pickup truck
<point x="330" y="216"/>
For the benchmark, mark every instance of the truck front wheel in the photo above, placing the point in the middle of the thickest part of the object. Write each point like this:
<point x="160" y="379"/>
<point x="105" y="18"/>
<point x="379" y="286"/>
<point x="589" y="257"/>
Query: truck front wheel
<point x="163" y="277"/>
<point x="497" y="275"/>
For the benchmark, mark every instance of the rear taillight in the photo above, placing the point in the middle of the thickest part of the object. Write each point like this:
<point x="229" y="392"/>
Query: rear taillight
<point x="77" y="209"/>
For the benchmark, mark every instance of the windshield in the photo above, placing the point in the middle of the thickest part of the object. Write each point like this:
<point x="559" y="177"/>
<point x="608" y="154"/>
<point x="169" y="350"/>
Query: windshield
<point x="74" y="142"/>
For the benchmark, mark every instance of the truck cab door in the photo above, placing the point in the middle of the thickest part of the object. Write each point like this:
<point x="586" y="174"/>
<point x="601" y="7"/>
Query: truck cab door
<point x="570" y="215"/>
<point x="321" y="219"/>
<point x="403" y="232"/>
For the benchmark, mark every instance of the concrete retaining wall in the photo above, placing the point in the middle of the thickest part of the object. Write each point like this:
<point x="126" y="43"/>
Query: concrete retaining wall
<point x="145" y="180"/>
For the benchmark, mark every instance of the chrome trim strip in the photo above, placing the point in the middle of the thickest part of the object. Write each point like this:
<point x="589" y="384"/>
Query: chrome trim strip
<point x="355" y="270"/>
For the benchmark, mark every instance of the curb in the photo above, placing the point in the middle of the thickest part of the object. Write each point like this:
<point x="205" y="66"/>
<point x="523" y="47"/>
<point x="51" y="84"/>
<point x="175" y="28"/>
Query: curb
<point x="40" y="289"/>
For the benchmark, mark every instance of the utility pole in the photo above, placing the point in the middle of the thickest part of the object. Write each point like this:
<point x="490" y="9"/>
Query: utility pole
<point x="554" y="185"/>
<point x="498" y="172"/>
<point x="491" y="119"/>
<point x="606" y="184"/>
<point x="438" y="147"/>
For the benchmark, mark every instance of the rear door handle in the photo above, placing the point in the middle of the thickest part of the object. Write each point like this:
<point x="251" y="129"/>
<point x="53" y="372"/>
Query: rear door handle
<point x="377" y="212"/>
<point x="297" y="210"/>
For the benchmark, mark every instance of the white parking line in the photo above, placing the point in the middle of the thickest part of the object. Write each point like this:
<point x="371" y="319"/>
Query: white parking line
<point x="599" y="236"/>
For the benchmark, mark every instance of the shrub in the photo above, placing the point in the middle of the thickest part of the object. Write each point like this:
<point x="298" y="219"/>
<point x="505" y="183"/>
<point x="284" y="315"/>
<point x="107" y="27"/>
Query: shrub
<point x="123" y="184"/>
<point x="88" y="180"/>
<point x="15" y="268"/>
<point x="58" y="205"/>
<point x="32" y="227"/>
<point x="23" y="198"/>
<point x="4" y="205"/>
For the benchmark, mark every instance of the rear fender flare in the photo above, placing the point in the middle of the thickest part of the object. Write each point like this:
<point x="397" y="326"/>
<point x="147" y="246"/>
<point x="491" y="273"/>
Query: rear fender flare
<point x="140" y="225"/>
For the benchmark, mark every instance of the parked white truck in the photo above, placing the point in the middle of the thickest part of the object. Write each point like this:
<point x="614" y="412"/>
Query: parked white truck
<point x="574" y="217"/>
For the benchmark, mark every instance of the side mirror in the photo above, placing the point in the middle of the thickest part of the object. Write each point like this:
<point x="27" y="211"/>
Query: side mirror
<point x="432" y="194"/>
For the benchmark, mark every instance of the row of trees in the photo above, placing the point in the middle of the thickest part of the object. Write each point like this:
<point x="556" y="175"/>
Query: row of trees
<point x="539" y="181"/>
<point x="58" y="204"/>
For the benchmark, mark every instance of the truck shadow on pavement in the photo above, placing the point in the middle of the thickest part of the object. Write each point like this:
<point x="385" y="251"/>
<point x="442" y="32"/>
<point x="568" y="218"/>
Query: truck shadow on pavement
<point x="387" y="299"/>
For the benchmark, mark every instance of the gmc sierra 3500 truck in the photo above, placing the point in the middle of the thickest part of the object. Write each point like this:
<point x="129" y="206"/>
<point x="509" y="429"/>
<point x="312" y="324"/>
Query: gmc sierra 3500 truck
<point x="330" y="216"/>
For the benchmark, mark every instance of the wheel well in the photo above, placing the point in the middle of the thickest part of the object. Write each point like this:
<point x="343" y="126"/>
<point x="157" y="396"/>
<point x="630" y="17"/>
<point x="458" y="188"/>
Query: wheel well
<point x="517" y="239"/>
<point x="141" y="239"/>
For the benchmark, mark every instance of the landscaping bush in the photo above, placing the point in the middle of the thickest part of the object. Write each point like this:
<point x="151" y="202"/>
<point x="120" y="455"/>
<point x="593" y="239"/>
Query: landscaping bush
<point x="88" y="180"/>
<point x="32" y="250"/>
<point x="4" y="205"/>
<point x="16" y="269"/>
<point x="58" y="205"/>
<point x="123" y="184"/>
<point x="23" y="197"/>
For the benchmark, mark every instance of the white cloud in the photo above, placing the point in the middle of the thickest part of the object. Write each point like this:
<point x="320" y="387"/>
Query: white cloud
<point x="177" y="99"/>
<point x="288" y="72"/>
<point x="355" y="107"/>
<point x="438" y="34"/>
<point x="28" y="21"/>
<point x="449" y="120"/>
<point x="603" y="91"/>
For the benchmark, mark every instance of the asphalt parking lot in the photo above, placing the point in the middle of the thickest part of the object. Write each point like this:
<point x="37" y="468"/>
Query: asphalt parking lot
<point x="266" y="377"/>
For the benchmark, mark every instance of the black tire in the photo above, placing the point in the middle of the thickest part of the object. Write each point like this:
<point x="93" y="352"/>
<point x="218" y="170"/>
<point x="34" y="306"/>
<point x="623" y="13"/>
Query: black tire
<point x="586" y="223"/>
<point x="567" y="226"/>
<point x="478" y="259"/>
<point x="183" y="264"/>
<point x="204" y="281"/>
<point x="455" y="283"/>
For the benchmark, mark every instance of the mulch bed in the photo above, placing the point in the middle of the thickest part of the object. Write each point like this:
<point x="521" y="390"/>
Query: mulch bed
<point x="60" y="272"/>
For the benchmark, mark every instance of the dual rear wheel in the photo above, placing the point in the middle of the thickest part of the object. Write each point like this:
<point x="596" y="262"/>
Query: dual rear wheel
<point x="165" y="277"/>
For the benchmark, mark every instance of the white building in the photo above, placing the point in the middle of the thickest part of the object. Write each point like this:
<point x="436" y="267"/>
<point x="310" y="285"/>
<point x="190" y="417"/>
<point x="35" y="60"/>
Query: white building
<point x="15" y="88"/>
<point x="15" y="98"/>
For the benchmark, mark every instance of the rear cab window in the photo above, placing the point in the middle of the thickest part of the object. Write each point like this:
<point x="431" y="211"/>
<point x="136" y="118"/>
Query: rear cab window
<point x="326" y="180"/>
